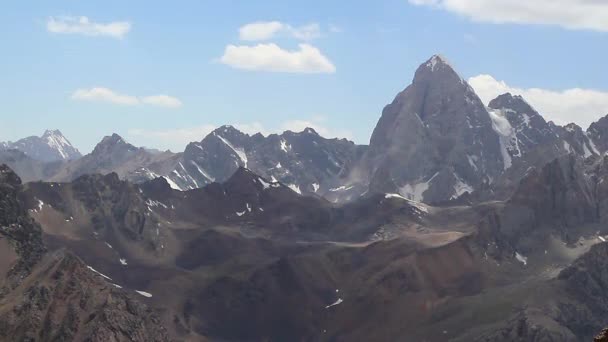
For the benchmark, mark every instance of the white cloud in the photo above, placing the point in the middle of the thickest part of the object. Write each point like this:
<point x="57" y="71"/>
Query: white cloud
<point x="581" y="106"/>
<point x="108" y="95"/>
<point x="268" y="30"/>
<point x="571" y="14"/>
<point x="162" y="101"/>
<point x="105" y="95"/>
<point x="84" y="26"/>
<point x="271" y="57"/>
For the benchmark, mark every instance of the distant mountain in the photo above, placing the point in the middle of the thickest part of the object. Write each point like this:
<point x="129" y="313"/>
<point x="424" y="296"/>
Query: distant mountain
<point x="114" y="154"/>
<point x="304" y="161"/>
<point x="51" y="146"/>
<point x="434" y="142"/>
<point x="28" y="168"/>
<point x="437" y="141"/>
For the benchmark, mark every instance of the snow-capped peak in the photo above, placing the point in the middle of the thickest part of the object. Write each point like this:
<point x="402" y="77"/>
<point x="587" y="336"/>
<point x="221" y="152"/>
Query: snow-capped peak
<point x="51" y="146"/>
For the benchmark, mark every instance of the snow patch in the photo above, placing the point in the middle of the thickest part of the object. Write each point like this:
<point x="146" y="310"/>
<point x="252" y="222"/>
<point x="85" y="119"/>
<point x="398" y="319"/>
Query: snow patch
<point x="337" y="302"/>
<point x="284" y="146"/>
<point x="415" y="191"/>
<point x="567" y="147"/>
<point x="172" y="184"/>
<point x="145" y="294"/>
<point x="461" y="187"/>
<point x="295" y="188"/>
<point x="521" y="258"/>
<point x="239" y="151"/>
<point x="101" y="274"/>
<point x="202" y="172"/>
<point x="342" y="188"/>
<point x="153" y="203"/>
<point x="418" y="205"/>
<point x="503" y="128"/>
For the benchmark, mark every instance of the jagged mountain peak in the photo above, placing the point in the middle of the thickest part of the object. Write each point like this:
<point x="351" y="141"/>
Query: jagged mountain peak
<point x="435" y="140"/>
<point x="228" y="131"/>
<point x="112" y="142"/>
<point x="510" y="101"/>
<point x="519" y="112"/>
<point x="598" y="132"/>
<point x="245" y="178"/>
<point x="305" y="131"/>
<point x="437" y="61"/>
<point x="51" y="146"/>
<point x="52" y="132"/>
<point x="437" y="67"/>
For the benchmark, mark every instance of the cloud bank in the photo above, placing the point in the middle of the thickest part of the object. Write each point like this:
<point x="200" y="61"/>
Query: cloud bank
<point x="84" y="26"/>
<point x="101" y="94"/>
<point x="581" y="106"/>
<point x="570" y="14"/>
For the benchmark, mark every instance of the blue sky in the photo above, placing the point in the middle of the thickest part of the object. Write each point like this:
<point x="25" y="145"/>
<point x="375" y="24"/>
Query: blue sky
<point x="58" y="77"/>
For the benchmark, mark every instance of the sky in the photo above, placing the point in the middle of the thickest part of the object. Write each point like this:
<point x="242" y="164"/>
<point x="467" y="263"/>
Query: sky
<point x="164" y="73"/>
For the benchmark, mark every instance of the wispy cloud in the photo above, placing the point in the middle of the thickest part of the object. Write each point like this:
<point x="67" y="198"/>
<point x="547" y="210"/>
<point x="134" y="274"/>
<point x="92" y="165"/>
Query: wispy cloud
<point x="581" y="106"/>
<point x="570" y="14"/>
<point x="105" y="95"/>
<point x="84" y="26"/>
<point x="174" y="139"/>
<point x="268" y="30"/>
<point x="102" y="94"/>
<point x="162" y="101"/>
<point x="271" y="57"/>
<point x="177" y="138"/>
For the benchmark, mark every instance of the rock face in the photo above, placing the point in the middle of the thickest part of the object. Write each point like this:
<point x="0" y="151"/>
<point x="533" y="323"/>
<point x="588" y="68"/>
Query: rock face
<point x="523" y="131"/>
<point x="51" y="146"/>
<point x="435" y="141"/>
<point x="559" y="193"/>
<point x="51" y="297"/>
<point x="305" y="161"/>
<point x="598" y="131"/>
<point x="602" y="337"/>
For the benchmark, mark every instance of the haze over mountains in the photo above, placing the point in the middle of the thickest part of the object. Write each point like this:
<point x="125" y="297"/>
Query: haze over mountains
<point x="459" y="222"/>
<point x="433" y="143"/>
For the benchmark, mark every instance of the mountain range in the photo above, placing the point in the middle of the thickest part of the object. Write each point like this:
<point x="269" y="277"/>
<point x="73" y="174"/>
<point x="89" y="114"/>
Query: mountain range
<point x="459" y="221"/>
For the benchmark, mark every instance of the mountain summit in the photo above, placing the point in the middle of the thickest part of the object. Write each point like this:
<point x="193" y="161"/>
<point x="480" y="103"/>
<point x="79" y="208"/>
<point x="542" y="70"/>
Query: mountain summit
<point x="51" y="146"/>
<point x="435" y="141"/>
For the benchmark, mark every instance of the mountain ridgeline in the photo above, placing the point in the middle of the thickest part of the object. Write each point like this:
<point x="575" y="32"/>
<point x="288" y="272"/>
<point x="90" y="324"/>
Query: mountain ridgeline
<point x="460" y="221"/>
<point x="435" y="142"/>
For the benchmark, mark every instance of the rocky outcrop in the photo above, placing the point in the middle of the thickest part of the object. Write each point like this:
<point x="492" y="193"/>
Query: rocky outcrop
<point x="64" y="300"/>
<point x="559" y="194"/>
<point x="602" y="337"/>
<point x="598" y="131"/>
<point x="55" y="296"/>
